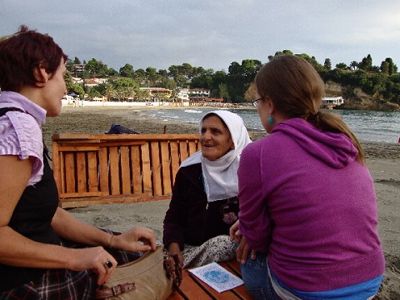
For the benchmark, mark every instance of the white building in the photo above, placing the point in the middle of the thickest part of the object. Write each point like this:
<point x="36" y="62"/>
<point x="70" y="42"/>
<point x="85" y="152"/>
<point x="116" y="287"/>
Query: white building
<point x="331" y="102"/>
<point x="183" y="95"/>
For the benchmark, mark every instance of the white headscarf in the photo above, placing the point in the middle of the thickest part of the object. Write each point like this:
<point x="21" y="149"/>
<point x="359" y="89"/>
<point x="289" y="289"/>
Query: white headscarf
<point x="220" y="176"/>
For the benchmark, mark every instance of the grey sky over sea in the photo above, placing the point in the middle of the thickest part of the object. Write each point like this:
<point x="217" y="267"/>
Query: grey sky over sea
<point x="211" y="33"/>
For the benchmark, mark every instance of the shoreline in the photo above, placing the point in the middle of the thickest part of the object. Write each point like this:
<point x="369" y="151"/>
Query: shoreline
<point x="381" y="158"/>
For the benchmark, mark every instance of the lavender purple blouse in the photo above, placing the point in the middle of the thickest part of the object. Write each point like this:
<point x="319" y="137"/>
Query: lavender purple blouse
<point x="20" y="133"/>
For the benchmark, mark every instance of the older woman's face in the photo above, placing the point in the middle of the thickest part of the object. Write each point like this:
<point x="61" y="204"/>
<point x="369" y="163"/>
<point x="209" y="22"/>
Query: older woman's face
<point x="215" y="138"/>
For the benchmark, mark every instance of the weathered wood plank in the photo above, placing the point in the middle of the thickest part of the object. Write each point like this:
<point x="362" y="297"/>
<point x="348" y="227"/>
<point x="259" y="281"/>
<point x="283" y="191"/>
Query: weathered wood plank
<point x="70" y="173"/>
<point x="93" y="171"/>
<point x="137" y="178"/>
<point x="174" y="159"/>
<point x="183" y="151"/>
<point x="114" y="170"/>
<point x="104" y="171"/>
<point x="125" y="170"/>
<point x="156" y="169"/>
<point x="166" y="168"/>
<point x="81" y="172"/>
<point x="146" y="170"/>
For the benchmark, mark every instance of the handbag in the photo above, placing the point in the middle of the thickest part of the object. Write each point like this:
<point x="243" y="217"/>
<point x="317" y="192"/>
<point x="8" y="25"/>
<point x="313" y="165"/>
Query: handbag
<point x="153" y="276"/>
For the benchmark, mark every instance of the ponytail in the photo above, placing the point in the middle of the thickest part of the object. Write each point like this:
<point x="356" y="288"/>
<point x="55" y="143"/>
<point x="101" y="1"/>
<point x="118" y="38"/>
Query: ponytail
<point x="327" y="121"/>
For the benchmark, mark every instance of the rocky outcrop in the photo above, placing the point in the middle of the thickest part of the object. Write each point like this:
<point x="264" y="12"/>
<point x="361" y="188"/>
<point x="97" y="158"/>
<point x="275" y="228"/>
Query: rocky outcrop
<point x="356" y="98"/>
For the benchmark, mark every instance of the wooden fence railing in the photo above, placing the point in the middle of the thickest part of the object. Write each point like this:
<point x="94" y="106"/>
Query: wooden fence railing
<point x="106" y="168"/>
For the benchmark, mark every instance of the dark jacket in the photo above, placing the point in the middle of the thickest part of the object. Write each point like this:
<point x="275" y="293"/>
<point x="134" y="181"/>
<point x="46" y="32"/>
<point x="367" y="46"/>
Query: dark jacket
<point x="190" y="219"/>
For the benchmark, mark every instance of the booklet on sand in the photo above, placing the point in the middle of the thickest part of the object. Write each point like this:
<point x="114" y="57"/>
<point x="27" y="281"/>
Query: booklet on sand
<point x="217" y="277"/>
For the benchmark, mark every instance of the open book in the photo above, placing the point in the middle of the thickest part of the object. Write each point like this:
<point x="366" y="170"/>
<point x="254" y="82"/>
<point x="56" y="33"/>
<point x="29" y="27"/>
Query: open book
<point x="217" y="277"/>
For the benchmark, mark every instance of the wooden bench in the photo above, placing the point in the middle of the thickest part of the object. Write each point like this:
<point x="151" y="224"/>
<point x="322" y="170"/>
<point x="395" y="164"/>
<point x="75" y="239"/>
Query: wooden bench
<point x="194" y="288"/>
<point x="118" y="168"/>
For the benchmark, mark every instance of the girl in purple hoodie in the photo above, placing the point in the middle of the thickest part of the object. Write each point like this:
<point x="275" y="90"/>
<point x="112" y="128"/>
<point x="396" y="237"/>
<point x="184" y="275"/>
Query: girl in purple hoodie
<point x="307" y="201"/>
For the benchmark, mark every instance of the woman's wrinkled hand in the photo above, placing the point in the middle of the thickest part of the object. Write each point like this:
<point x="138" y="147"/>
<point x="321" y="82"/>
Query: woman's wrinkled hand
<point x="174" y="250"/>
<point x="234" y="232"/>
<point x="243" y="250"/>
<point x="137" y="239"/>
<point x="96" y="259"/>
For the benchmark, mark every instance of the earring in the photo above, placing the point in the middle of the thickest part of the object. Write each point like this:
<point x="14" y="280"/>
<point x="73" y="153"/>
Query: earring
<point x="271" y="120"/>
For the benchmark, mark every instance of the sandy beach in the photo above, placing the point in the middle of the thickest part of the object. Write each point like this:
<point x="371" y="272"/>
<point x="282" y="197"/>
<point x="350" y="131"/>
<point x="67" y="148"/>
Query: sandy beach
<point x="383" y="161"/>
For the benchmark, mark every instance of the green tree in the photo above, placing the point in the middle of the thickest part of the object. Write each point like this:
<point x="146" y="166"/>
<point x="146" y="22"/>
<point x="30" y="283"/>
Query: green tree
<point x="327" y="64"/>
<point x="354" y="65"/>
<point x="126" y="71"/>
<point x="124" y="88"/>
<point x="388" y="67"/>
<point x="151" y="76"/>
<point x="140" y="76"/>
<point x="342" y="66"/>
<point x="366" y="63"/>
<point x="95" y="68"/>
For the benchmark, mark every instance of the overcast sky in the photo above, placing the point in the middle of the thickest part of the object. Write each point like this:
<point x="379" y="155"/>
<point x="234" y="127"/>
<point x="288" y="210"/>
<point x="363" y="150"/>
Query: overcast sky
<point x="211" y="33"/>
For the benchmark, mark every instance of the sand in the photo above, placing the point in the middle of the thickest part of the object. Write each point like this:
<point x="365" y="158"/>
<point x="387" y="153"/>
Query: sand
<point x="383" y="161"/>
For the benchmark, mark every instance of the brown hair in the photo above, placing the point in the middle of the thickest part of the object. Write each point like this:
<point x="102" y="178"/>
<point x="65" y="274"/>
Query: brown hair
<point x="296" y="90"/>
<point x="24" y="51"/>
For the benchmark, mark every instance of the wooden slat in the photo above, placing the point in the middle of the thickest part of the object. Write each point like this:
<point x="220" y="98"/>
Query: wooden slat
<point x="146" y="171"/>
<point x="156" y="169"/>
<point x="114" y="170"/>
<point x="81" y="195"/>
<point x="175" y="296"/>
<point x="227" y="295"/>
<point x="174" y="159"/>
<point x="69" y="136"/>
<point x="192" y="147"/>
<point x="125" y="170"/>
<point x="70" y="173"/>
<point x="166" y="168"/>
<point x="234" y="267"/>
<point x="191" y="289"/>
<point x="104" y="171"/>
<point x="93" y="172"/>
<point x="136" y="170"/>
<point x="183" y="151"/>
<point x="79" y="200"/>
<point x="81" y="172"/>
<point x="77" y="148"/>
<point x="62" y="172"/>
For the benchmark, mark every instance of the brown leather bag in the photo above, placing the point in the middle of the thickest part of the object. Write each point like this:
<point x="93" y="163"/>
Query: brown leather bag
<point x="151" y="277"/>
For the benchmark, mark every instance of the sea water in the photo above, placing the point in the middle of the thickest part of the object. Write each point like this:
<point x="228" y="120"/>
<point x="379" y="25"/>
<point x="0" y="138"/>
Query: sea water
<point x="369" y="126"/>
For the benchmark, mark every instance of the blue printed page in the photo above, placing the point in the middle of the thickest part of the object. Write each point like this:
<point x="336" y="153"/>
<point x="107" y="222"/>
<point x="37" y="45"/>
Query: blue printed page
<point x="217" y="277"/>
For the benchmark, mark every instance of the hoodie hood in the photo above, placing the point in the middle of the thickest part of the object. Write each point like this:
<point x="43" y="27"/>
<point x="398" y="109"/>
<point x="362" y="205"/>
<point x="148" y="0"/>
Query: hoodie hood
<point x="334" y="149"/>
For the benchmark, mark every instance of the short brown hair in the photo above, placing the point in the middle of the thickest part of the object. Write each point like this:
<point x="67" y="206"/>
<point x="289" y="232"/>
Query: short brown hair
<point x="21" y="53"/>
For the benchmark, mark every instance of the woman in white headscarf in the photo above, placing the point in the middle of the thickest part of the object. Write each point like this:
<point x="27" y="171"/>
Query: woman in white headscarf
<point x="204" y="201"/>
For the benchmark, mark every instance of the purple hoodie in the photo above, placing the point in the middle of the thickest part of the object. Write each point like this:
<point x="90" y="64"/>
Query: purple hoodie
<point x="306" y="201"/>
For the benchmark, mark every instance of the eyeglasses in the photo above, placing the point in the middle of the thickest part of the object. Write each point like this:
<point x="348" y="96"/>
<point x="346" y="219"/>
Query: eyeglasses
<point x="257" y="101"/>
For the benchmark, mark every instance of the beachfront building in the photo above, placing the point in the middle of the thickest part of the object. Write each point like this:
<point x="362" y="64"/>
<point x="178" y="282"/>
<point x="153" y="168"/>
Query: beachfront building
<point x="331" y="102"/>
<point x="199" y="93"/>
<point x="183" y="95"/>
<point x="77" y="80"/>
<point x="157" y="93"/>
<point x="91" y="82"/>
